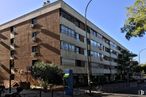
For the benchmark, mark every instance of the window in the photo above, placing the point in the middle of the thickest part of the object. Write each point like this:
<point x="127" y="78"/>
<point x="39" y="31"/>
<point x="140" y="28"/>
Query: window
<point x="12" y="52"/>
<point x="94" y="54"/>
<point x="64" y="45"/>
<point x="67" y="16"/>
<point x="96" y="34"/>
<point x="63" y="29"/>
<point x="119" y="48"/>
<point x="81" y="38"/>
<point x="77" y="23"/>
<point x="34" y="61"/>
<point x="34" y="49"/>
<point x="101" y="56"/>
<point x="34" y="21"/>
<point x="12" y="63"/>
<point x="88" y="29"/>
<point x="93" y="32"/>
<point x="67" y="46"/>
<point x="106" y="40"/>
<point x="13" y="29"/>
<point x="113" y="45"/>
<point x="12" y="41"/>
<point x="77" y="37"/>
<point x="82" y="26"/>
<point x="93" y="43"/>
<point x="79" y="50"/>
<point x="106" y="58"/>
<point x="74" y="20"/>
<point x="113" y="52"/>
<point x="99" y="36"/>
<point x="80" y="63"/>
<point x="71" y="47"/>
<point x="107" y="49"/>
<point x="34" y="34"/>
<point x="67" y="31"/>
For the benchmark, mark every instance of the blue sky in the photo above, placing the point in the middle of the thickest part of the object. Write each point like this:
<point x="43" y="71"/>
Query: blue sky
<point x="109" y="15"/>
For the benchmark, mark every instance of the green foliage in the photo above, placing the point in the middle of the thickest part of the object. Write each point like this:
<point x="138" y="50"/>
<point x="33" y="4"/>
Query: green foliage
<point x="125" y="64"/>
<point x="49" y="73"/>
<point x="143" y="66"/>
<point x="137" y="69"/>
<point x="135" y="25"/>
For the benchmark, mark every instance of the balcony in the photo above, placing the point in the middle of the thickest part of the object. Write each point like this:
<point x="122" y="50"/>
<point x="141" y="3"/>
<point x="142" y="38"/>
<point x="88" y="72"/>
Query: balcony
<point x="72" y="55"/>
<point x="72" y="41"/>
<point x="106" y="71"/>
<point x="11" y="35"/>
<point x="12" y="47"/>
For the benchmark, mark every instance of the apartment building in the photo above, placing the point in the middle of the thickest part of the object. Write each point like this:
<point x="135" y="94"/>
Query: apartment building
<point x="55" y="33"/>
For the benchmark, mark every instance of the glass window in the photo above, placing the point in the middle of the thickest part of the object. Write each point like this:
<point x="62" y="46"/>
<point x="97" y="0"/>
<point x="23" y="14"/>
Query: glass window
<point x="71" y="47"/>
<point x="77" y="37"/>
<point x="13" y="29"/>
<point x="81" y="38"/>
<point x="34" y="34"/>
<point x="101" y="56"/>
<point x="67" y="46"/>
<point x="12" y="41"/>
<point x="34" y="21"/>
<point x="34" y="48"/>
<point x="80" y="63"/>
<point x="107" y="49"/>
<point x="77" y="50"/>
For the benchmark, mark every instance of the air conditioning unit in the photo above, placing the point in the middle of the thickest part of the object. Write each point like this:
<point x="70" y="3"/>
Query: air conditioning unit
<point x="34" y="39"/>
<point x="34" y="53"/>
<point x="1" y="40"/>
<point x="33" y="25"/>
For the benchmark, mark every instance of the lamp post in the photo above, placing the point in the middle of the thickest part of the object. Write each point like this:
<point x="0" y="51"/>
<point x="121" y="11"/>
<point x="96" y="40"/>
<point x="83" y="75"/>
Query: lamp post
<point x="140" y="53"/>
<point x="88" y="63"/>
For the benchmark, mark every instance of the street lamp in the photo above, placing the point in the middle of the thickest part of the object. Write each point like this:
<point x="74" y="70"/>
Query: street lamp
<point x="88" y="63"/>
<point x="140" y="53"/>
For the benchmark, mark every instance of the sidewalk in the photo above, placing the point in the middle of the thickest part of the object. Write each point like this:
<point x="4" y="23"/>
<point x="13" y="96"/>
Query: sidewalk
<point x="31" y="93"/>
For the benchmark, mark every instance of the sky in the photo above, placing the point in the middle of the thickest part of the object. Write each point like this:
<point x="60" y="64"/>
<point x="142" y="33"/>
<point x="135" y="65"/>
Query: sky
<point x="109" y="15"/>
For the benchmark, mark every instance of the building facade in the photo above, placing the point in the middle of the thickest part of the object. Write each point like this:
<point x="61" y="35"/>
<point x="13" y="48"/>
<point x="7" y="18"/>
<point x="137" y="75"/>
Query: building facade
<point x="56" y="34"/>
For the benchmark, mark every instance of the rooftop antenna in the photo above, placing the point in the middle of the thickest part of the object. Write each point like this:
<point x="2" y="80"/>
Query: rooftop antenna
<point x="46" y="2"/>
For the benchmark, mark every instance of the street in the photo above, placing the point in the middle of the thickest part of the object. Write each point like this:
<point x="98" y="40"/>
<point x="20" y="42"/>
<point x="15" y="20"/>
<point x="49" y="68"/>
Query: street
<point x="135" y="90"/>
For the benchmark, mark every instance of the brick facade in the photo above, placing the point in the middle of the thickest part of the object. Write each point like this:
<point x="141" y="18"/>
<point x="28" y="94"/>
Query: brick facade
<point x="47" y="42"/>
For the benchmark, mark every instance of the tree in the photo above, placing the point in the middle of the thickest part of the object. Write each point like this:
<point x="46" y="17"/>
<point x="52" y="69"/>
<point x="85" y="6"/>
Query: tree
<point x="48" y="73"/>
<point x="123" y="61"/>
<point x="126" y="66"/>
<point x="143" y="67"/>
<point x="135" y="25"/>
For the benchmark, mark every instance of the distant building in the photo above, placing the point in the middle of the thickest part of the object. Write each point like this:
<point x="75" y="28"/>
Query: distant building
<point x="55" y="33"/>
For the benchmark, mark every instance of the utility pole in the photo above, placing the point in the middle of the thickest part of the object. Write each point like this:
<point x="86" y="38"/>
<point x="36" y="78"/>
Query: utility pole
<point x="88" y="58"/>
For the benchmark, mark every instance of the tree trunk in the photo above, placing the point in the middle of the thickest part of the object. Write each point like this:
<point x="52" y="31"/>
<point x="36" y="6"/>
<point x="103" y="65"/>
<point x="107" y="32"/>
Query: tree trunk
<point x="52" y="92"/>
<point x="40" y="93"/>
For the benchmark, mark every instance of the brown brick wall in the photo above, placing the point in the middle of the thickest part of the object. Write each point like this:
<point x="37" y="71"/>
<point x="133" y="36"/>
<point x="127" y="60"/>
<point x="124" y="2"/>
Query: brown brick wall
<point x="50" y="37"/>
<point x="4" y="51"/>
<point x="48" y="41"/>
